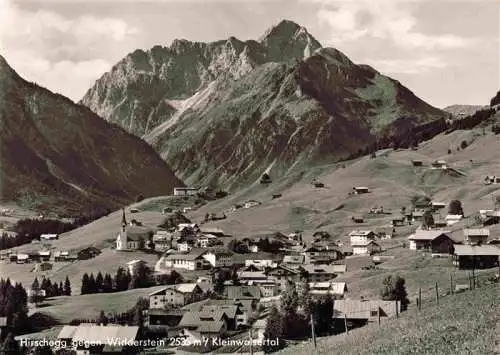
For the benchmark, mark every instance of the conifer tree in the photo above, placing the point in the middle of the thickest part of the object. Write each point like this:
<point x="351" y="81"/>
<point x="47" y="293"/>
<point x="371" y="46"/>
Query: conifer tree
<point x="85" y="284"/>
<point x="273" y="331"/>
<point x="67" y="287"/>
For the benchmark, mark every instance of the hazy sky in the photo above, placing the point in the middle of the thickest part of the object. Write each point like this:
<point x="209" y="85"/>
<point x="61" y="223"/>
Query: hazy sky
<point x="445" y="51"/>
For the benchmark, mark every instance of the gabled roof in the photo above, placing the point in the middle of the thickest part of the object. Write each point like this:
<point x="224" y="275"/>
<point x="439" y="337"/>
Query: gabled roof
<point x="483" y="250"/>
<point x="318" y="269"/>
<point x="294" y="259"/>
<point x="363" y="243"/>
<point x="361" y="309"/>
<point x="484" y="232"/>
<point x="334" y="288"/>
<point x="242" y="291"/>
<point x="360" y="233"/>
<point x="192" y="255"/>
<point x="421" y="234"/>
<point x="182" y="288"/>
<point x="453" y="217"/>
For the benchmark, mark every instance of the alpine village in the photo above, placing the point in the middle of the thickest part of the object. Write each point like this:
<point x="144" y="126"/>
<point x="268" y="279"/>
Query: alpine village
<point x="281" y="199"/>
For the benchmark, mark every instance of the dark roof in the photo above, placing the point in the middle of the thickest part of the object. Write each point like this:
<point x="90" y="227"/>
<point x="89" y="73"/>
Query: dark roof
<point x="242" y="291"/>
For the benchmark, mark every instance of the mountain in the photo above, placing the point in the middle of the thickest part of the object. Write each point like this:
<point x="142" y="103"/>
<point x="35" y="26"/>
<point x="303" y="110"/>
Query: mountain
<point x="461" y="111"/>
<point x="226" y="111"/>
<point x="61" y="156"/>
<point x="495" y="100"/>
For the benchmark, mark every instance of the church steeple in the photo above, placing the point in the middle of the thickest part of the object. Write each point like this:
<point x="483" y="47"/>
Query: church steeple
<point x="124" y="220"/>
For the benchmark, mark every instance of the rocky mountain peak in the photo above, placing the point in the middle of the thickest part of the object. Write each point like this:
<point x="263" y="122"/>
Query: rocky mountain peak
<point x="6" y="70"/>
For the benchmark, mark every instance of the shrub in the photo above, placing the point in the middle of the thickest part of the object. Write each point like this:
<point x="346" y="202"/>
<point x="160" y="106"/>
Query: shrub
<point x="449" y="151"/>
<point x="463" y="145"/>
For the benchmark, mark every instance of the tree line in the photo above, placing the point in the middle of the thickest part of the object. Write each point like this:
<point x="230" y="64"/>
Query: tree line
<point x="51" y="289"/>
<point x="14" y="306"/>
<point x="123" y="280"/>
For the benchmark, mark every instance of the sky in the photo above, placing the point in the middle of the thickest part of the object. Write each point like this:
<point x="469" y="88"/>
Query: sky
<point x="445" y="51"/>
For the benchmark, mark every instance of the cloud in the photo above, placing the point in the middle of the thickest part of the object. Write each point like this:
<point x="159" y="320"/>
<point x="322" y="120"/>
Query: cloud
<point x="48" y="48"/>
<point x="407" y="66"/>
<point x="394" y="21"/>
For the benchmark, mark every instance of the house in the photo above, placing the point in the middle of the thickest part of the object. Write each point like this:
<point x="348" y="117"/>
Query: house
<point x="99" y="339"/>
<point x="451" y="219"/>
<point x="368" y="247"/>
<point x="437" y="242"/>
<point x="49" y="237"/>
<point x="322" y="254"/>
<point x="399" y="222"/>
<point x="417" y="216"/>
<point x="319" y="273"/>
<point x="358" y="236"/>
<point x="476" y="256"/>
<point x="283" y="273"/>
<point x="261" y="263"/>
<point x="22" y="258"/>
<point x="357" y="190"/>
<point x="269" y="288"/>
<point x="251" y="203"/>
<point x="134" y="265"/>
<point x="336" y="289"/>
<point x="439" y="164"/>
<point x="385" y="232"/>
<point x="219" y="258"/>
<point x="207" y="241"/>
<point x="185" y="191"/>
<point x="162" y="240"/>
<point x="476" y="236"/>
<point x="213" y="231"/>
<point x="189" y="228"/>
<point x="294" y="259"/>
<point x="44" y="266"/>
<point x="488" y="180"/>
<point x="357" y="219"/>
<point x="44" y="255"/>
<point x="208" y="324"/>
<point x="88" y="253"/>
<point x="132" y="237"/>
<point x="162" y="320"/>
<point x="438" y="205"/>
<point x="255" y="277"/>
<point x="185" y="245"/>
<point x="61" y="256"/>
<point x="417" y="162"/>
<point x="176" y="296"/>
<point x="191" y="261"/>
<point x="361" y="312"/>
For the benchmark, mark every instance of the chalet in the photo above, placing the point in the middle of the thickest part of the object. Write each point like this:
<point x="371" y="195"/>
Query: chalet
<point x="438" y="242"/>
<point x="251" y="203"/>
<point x="219" y="258"/>
<point x="385" y="232"/>
<point x="476" y="257"/>
<point x="368" y="247"/>
<point x="269" y="288"/>
<point x="134" y="265"/>
<point x="176" y="296"/>
<point x="357" y="190"/>
<point x="185" y="245"/>
<point x="488" y="180"/>
<point x="476" y="236"/>
<point x="191" y="261"/>
<point x="48" y="237"/>
<point x="417" y="162"/>
<point x="361" y="236"/>
<point x="198" y="326"/>
<point x="451" y="219"/>
<point x="252" y="277"/>
<point x="294" y="259"/>
<point x="162" y="240"/>
<point x="321" y="254"/>
<point x="213" y="231"/>
<point x="44" y="266"/>
<point x="417" y="216"/>
<point x="161" y="320"/>
<point x="100" y="339"/>
<point x="61" y="256"/>
<point x="185" y="191"/>
<point x="361" y="312"/>
<point x="439" y="164"/>
<point x="335" y="289"/>
<point x="265" y="179"/>
<point x="438" y="205"/>
<point x="284" y="273"/>
<point x="275" y="196"/>
<point x="189" y="227"/>
<point x="207" y="241"/>
<point x="43" y="255"/>
<point x="357" y="219"/>
<point x="319" y="273"/>
<point x="132" y="237"/>
<point x="187" y="209"/>
<point x="22" y="258"/>
<point x="261" y="263"/>
<point x="399" y="222"/>
<point x="88" y="253"/>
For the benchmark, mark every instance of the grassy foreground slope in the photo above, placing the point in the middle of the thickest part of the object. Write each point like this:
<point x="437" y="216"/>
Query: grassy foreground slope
<point x="465" y="323"/>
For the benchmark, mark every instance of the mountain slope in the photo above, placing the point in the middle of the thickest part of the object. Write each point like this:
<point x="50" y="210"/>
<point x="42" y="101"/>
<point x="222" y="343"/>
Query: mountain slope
<point x="225" y="112"/>
<point x="461" y="111"/>
<point x="61" y="156"/>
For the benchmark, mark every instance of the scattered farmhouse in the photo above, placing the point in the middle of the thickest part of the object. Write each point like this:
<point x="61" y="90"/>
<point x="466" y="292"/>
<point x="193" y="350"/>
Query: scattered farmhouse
<point x="476" y="256"/>
<point x="176" y="296"/>
<point x="185" y="191"/>
<point x="438" y="242"/>
<point x="476" y="236"/>
<point x="439" y="164"/>
<point x="417" y="163"/>
<point x="336" y="289"/>
<point x="451" y="219"/>
<point x="48" y="237"/>
<point x="357" y="190"/>
<point x="361" y="312"/>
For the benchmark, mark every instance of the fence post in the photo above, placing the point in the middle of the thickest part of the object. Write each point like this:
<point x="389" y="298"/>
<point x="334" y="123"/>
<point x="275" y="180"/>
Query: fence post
<point x="345" y="324"/>
<point x="451" y="284"/>
<point x="397" y="310"/>
<point x="419" y="299"/>
<point x="437" y="293"/>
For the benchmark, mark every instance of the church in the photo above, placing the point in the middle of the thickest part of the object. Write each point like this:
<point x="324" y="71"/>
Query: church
<point x="132" y="237"/>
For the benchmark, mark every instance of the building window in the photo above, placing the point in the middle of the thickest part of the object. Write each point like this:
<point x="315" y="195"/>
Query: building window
<point x="374" y="313"/>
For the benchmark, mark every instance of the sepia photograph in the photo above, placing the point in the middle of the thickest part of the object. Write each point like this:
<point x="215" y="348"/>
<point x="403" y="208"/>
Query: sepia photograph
<point x="289" y="177"/>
